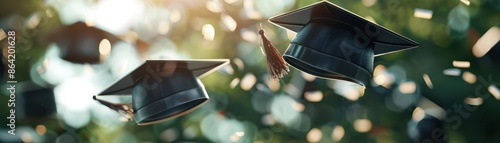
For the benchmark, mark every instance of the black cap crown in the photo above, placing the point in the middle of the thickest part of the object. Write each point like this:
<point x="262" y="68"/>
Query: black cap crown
<point x="334" y="43"/>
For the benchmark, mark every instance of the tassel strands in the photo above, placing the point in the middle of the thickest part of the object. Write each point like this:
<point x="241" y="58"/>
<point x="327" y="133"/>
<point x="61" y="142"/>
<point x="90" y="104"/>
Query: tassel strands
<point x="276" y="65"/>
<point x="124" y="109"/>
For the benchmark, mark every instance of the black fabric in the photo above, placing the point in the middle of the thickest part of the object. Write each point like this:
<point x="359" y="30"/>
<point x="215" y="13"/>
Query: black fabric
<point x="337" y="39"/>
<point x="171" y="106"/>
<point x="155" y="86"/>
<point x="158" y="96"/>
<point x="384" y="40"/>
<point x="324" y="65"/>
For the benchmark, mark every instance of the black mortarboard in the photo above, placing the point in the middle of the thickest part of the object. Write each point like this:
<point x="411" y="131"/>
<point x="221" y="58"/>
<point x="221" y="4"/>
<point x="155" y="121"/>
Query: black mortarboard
<point x="163" y="89"/>
<point x="79" y="43"/>
<point x="36" y="101"/>
<point x="334" y="43"/>
<point x="428" y="128"/>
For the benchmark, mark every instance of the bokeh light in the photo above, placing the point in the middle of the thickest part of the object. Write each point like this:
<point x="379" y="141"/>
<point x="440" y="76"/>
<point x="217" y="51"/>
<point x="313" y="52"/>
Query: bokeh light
<point x="2" y="34"/>
<point x="41" y="129"/>
<point x="248" y="35"/>
<point x="362" y="125"/>
<point x="407" y="87"/>
<point x="466" y="2"/>
<point x="313" y="96"/>
<point x="428" y="81"/>
<point x="290" y="34"/>
<point x="493" y="89"/>
<point x="274" y="85"/>
<point x="73" y="11"/>
<point x="230" y="1"/>
<point x="123" y="59"/>
<point x="271" y="8"/>
<point x="234" y="82"/>
<point x="308" y="77"/>
<point x="117" y="19"/>
<point x="248" y="81"/>
<point x="382" y="77"/>
<point x="469" y="77"/>
<point x="162" y="48"/>
<point x="432" y="109"/>
<point x="349" y="90"/>
<point x="458" y="21"/>
<point x="239" y="63"/>
<point x="461" y="64"/>
<point x="210" y="124"/>
<point x="282" y="109"/>
<point x="229" y="22"/>
<point x="452" y="72"/>
<point x="406" y="94"/>
<point x="473" y="101"/>
<point x="368" y="3"/>
<point x="423" y="13"/>
<point x="208" y="32"/>
<point x="268" y="120"/>
<point x="55" y="70"/>
<point x="176" y="15"/>
<point x="338" y="133"/>
<point x="486" y="42"/>
<point x="33" y="21"/>
<point x="105" y="47"/>
<point x="169" y="135"/>
<point x="213" y="6"/>
<point x="314" y="135"/>
<point x="418" y="114"/>
<point x="250" y="11"/>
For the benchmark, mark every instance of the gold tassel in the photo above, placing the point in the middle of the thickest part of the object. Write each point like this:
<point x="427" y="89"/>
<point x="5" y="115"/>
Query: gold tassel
<point x="276" y="65"/>
<point x="125" y="110"/>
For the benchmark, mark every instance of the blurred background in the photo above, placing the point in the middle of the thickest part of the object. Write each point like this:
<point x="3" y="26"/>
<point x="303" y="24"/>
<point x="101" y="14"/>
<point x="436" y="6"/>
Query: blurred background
<point x="447" y="90"/>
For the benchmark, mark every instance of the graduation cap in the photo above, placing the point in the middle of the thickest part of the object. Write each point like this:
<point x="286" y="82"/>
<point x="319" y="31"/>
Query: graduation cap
<point x="79" y="43"/>
<point x="162" y="89"/>
<point x="428" y="128"/>
<point x="36" y="101"/>
<point x="334" y="43"/>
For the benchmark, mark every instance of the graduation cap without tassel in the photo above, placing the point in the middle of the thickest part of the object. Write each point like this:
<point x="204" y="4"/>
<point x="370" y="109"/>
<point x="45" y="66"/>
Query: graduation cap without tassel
<point x="334" y="43"/>
<point x="162" y="89"/>
<point x="78" y="42"/>
<point x="36" y="101"/>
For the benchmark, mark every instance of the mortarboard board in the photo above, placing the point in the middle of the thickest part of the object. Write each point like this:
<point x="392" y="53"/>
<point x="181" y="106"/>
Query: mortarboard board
<point x="334" y="43"/>
<point x="163" y="89"/>
<point x="79" y="43"/>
